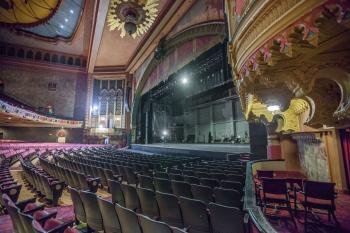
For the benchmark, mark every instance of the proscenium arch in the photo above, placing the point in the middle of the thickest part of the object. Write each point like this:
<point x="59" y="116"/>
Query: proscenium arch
<point x="205" y="29"/>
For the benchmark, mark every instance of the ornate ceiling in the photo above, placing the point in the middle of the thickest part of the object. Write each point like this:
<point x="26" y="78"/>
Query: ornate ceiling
<point x="88" y="33"/>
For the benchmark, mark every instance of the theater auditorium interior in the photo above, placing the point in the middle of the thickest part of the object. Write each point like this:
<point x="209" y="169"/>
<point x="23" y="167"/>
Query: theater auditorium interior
<point x="170" y="116"/>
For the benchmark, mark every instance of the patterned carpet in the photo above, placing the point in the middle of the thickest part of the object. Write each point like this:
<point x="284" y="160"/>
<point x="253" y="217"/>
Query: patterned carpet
<point x="283" y="223"/>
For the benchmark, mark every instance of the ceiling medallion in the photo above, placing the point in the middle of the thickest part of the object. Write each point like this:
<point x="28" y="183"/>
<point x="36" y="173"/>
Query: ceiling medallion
<point x="134" y="17"/>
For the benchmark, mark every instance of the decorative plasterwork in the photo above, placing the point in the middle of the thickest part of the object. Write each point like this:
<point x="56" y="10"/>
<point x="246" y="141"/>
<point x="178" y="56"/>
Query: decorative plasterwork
<point x="286" y="121"/>
<point x="293" y="60"/>
<point x="142" y="13"/>
<point x="37" y="118"/>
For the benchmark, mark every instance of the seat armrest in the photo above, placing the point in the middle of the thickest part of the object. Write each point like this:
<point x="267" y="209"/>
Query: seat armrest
<point x="118" y="178"/>
<point x="246" y="222"/>
<point x="39" y="207"/>
<point x="22" y="204"/>
<point x="62" y="227"/>
<point x="47" y="217"/>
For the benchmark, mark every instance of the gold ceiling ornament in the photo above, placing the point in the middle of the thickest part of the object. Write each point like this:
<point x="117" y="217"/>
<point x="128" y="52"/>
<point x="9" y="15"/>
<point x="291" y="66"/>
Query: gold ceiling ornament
<point x="134" y="17"/>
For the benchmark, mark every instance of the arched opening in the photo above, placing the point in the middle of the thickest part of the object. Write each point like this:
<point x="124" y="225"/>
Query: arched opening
<point x="77" y="62"/>
<point x="11" y="52"/>
<point x="47" y="57"/>
<point x="37" y="56"/>
<point x="63" y="59"/>
<point x="30" y="54"/>
<point x="70" y="61"/>
<point x="2" y="86"/>
<point x="20" y="53"/>
<point x="54" y="58"/>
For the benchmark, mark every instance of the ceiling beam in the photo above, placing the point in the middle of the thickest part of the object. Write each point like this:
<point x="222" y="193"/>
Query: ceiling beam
<point x="100" y="14"/>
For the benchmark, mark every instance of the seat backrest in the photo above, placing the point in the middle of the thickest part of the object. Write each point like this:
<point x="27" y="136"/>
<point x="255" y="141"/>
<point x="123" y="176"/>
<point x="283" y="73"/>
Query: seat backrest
<point x="223" y="219"/>
<point x="195" y="215"/>
<point x="233" y="177"/>
<point x="151" y="226"/>
<point x="274" y="186"/>
<point x="13" y="212"/>
<point x="162" y="175"/>
<point x="128" y="220"/>
<point x="177" y="177"/>
<point x="130" y="175"/>
<point x="131" y="198"/>
<point x="264" y="174"/>
<point x="149" y="206"/>
<point x="146" y="182"/>
<point x="203" y="193"/>
<point x="319" y="190"/>
<point x="181" y="188"/>
<point x="26" y="221"/>
<point x="209" y="182"/>
<point x="92" y="210"/>
<point x="218" y="176"/>
<point x="232" y="185"/>
<point x="203" y="174"/>
<point x="115" y="189"/>
<point x="169" y="209"/>
<point x="79" y="210"/>
<point x="227" y="197"/>
<point x="162" y="185"/>
<point x="109" y="216"/>
<point x="191" y="179"/>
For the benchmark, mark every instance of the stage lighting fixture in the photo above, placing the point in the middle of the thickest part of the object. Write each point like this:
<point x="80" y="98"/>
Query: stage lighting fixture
<point x="165" y="132"/>
<point x="95" y="107"/>
<point x="184" y="80"/>
<point x="273" y="108"/>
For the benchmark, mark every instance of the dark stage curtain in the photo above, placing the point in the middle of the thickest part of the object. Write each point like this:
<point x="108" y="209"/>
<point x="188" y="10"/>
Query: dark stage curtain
<point x="345" y="141"/>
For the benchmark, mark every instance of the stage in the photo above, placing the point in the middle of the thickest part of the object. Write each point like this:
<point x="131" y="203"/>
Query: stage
<point x="209" y="151"/>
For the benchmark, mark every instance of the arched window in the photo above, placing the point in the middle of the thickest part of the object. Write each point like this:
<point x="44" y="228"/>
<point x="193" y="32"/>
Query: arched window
<point x="30" y="54"/>
<point x="37" y="56"/>
<point x="77" y="62"/>
<point x="84" y="63"/>
<point x="63" y="59"/>
<point x="11" y="51"/>
<point x="47" y="57"/>
<point x="20" y="53"/>
<point x="2" y="50"/>
<point x="2" y="86"/>
<point x="103" y="98"/>
<point x="54" y="58"/>
<point x="119" y="102"/>
<point x="70" y="61"/>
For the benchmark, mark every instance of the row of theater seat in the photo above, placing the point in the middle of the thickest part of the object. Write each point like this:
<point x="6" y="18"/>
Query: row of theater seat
<point x="30" y="217"/>
<point x="7" y="184"/>
<point x="150" y="201"/>
<point x="192" y="216"/>
<point x="128" y="174"/>
<point x="42" y="183"/>
<point x="70" y="177"/>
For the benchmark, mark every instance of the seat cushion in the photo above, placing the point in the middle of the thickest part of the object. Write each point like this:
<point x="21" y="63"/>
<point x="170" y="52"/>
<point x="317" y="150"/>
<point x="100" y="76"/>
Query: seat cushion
<point x="51" y="224"/>
<point x="71" y="230"/>
<point x="40" y="214"/>
<point x="31" y="206"/>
